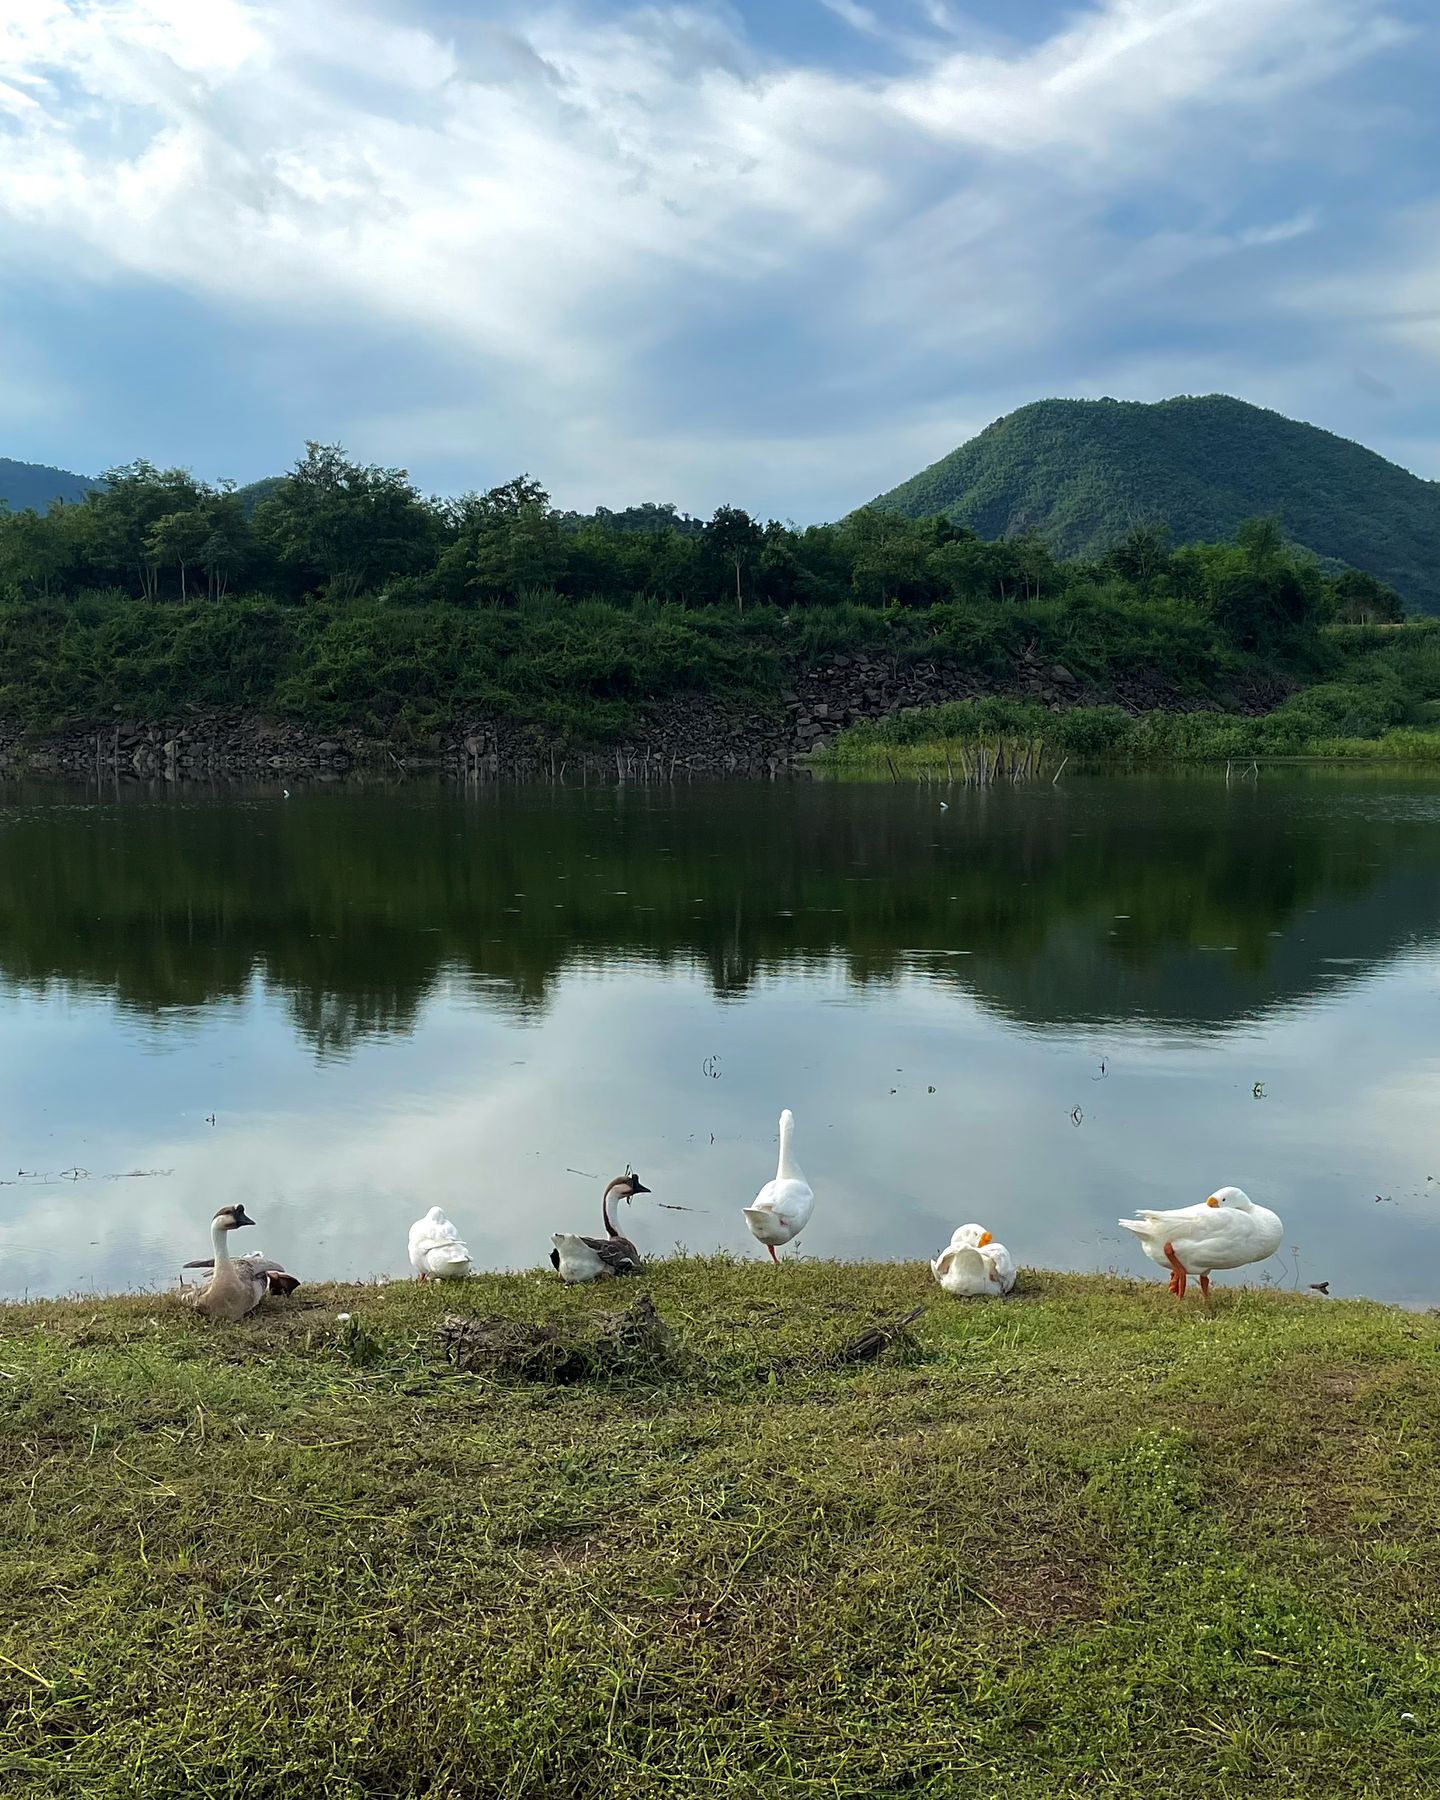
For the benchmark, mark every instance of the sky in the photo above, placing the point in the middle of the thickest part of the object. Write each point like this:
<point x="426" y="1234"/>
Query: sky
<point x="773" y="253"/>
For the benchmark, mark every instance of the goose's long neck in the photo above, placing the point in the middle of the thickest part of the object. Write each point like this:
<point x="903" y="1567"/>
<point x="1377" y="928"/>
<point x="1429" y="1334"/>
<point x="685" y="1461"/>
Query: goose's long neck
<point x="610" y="1230"/>
<point x="220" y="1241"/>
<point x="785" y="1168"/>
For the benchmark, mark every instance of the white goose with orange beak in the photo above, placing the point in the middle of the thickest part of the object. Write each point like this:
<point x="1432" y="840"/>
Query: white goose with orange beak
<point x="973" y="1266"/>
<point x="1225" y="1231"/>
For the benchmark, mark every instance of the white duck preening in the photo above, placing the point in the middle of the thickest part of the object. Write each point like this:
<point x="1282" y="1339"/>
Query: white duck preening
<point x="973" y="1266"/>
<point x="782" y="1208"/>
<point x="237" y="1284"/>
<point x="436" y="1250"/>
<point x="1225" y="1231"/>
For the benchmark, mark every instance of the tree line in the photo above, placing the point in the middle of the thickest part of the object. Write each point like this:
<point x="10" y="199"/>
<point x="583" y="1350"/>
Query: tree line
<point x="335" y="530"/>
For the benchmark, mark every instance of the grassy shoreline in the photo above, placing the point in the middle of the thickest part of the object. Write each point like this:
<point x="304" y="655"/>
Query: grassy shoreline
<point x="951" y="757"/>
<point x="1379" y="701"/>
<point x="953" y="741"/>
<point x="1085" y="1540"/>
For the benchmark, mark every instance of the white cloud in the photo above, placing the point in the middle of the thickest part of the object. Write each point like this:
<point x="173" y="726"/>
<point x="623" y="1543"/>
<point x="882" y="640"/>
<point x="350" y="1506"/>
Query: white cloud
<point x="550" y="200"/>
<point x="1395" y="297"/>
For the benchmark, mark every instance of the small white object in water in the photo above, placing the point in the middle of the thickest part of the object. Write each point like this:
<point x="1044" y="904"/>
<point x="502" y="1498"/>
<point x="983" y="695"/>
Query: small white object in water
<point x="944" y="806"/>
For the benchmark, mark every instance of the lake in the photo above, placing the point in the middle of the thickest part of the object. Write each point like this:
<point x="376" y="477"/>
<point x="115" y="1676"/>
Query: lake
<point x="1039" y="1009"/>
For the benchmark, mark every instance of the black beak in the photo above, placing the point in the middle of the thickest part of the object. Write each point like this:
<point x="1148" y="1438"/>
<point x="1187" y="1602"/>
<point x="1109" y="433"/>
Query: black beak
<point x="242" y="1217"/>
<point x="638" y="1187"/>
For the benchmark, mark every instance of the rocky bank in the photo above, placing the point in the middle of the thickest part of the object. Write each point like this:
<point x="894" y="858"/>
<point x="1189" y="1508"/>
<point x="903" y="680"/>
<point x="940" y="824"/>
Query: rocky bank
<point x="678" y="737"/>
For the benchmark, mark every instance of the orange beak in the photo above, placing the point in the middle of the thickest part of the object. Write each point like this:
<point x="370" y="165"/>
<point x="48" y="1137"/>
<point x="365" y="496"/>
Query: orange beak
<point x="985" y="1238"/>
<point x="1214" y="1200"/>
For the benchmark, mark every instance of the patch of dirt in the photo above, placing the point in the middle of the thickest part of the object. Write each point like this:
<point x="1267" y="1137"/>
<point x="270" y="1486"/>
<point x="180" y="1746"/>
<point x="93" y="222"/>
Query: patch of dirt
<point x="1340" y="1383"/>
<point x="573" y="1552"/>
<point x="1043" y="1591"/>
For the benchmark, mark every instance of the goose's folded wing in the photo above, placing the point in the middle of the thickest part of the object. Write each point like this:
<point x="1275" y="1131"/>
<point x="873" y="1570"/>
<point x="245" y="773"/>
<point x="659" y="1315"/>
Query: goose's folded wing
<point x="1148" y="1219"/>
<point x="1206" y="1225"/>
<point x="615" y="1253"/>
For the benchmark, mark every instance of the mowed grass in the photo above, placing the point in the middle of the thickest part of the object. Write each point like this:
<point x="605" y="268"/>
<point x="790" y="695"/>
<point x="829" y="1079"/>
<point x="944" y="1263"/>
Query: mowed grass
<point x="1085" y="1542"/>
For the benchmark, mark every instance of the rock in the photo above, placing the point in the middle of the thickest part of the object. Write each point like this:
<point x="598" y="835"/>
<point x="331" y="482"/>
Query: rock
<point x="1060" y="675"/>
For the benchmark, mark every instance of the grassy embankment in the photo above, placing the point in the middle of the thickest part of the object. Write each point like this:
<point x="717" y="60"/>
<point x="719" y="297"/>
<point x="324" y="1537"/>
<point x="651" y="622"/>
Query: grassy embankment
<point x="1087" y="1541"/>
<point x="588" y="669"/>
<point x="1379" y="700"/>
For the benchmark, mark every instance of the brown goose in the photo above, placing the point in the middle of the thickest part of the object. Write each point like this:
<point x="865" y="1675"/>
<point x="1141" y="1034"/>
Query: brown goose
<point x="237" y="1284"/>
<point x="588" y="1258"/>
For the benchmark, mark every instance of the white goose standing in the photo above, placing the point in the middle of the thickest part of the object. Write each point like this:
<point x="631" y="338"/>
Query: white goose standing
<point x="1225" y="1231"/>
<point x="782" y="1208"/>
<point x="436" y="1251"/>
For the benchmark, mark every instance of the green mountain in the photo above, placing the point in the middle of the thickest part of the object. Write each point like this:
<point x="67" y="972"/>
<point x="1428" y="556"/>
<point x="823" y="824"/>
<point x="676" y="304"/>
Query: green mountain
<point x="1081" y="473"/>
<point x="34" y="485"/>
<point x="256" y="493"/>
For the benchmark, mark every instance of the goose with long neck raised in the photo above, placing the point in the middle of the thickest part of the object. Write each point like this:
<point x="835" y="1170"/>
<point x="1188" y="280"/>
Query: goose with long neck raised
<point x="237" y="1284"/>
<point x="782" y="1208"/>
<point x="589" y="1258"/>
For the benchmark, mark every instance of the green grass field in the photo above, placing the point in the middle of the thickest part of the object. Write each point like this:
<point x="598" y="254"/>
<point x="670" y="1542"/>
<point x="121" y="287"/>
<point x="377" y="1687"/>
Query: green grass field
<point x="1086" y="1542"/>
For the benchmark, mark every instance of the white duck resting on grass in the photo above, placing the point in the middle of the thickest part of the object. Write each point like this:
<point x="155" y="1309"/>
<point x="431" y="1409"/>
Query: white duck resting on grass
<point x="973" y="1266"/>
<point x="1226" y="1231"/>
<point x="436" y="1252"/>
<point x="782" y="1208"/>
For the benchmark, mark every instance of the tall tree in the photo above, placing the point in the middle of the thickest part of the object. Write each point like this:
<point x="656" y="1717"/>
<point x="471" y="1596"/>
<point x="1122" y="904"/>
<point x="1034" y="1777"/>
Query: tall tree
<point x="345" y="525"/>
<point x="1362" y="599"/>
<point x="179" y="538"/>
<point x="122" y="517"/>
<point x="733" y="540"/>
<point x="503" y="542"/>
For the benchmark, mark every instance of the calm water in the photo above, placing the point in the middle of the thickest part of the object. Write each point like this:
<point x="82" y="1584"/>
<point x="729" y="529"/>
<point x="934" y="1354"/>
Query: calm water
<point x="1038" y="1009"/>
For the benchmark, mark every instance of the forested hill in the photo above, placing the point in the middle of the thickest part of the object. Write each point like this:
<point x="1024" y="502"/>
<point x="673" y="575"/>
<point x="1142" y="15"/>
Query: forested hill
<point x="1083" y="473"/>
<point x="33" y="486"/>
